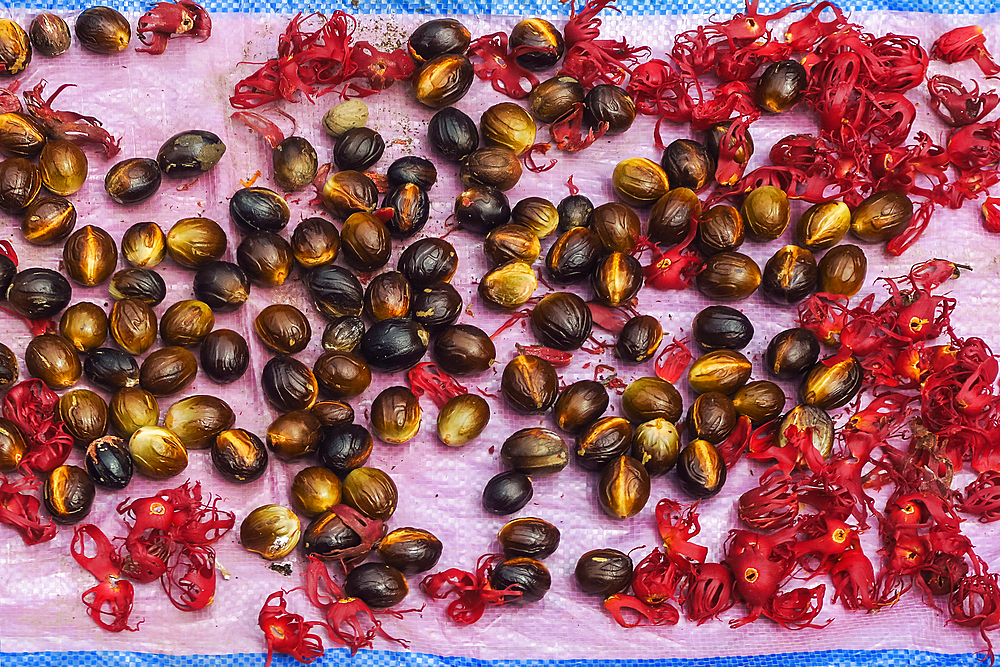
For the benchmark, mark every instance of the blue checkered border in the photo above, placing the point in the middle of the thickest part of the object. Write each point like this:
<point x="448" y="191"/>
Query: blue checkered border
<point x="516" y="7"/>
<point x="884" y="658"/>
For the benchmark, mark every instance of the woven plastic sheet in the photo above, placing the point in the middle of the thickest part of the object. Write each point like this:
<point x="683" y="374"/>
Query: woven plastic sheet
<point x="147" y="99"/>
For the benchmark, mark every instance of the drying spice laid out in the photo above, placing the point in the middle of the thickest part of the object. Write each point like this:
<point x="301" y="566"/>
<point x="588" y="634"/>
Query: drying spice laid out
<point x="869" y="433"/>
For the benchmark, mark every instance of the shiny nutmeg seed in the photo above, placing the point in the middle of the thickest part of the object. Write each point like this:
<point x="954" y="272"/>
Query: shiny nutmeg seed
<point x="729" y="276"/>
<point x="535" y="451"/>
<point x="462" y="419"/>
<point x="823" y="226"/>
<point x="133" y="180"/>
<point x="723" y="371"/>
<point x="529" y="384"/>
<point x="410" y="550"/>
<point x="377" y="585"/>
<point x="528" y="537"/>
<point x="315" y="490"/>
<point x="507" y="492"/>
<point x="834" y="386"/>
<point x="90" y="256"/>
<point x="701" y="469"/>
<point x="68" y="494"/>
<point x="722" y="328"/>
<point x="48" y="220"/>
<point x="443" y="80"/>
<point x="651" y="398"/>
<point x="603" y="572"/>
<point x="623" y="489"/>
<point x="157" y="452"/>
<point x="103" y="30"/>
<point x="49" y="34"/>
<point x="84" y="325"/>
<point x="395" y="415"/>
<point x="239" y="456"/>
<point x="272" y="531"/>
<point x="791" y="353"/>
<point x="843" y="270"/>
<point x="370" y="491"/>
<point x="882" y="216"/>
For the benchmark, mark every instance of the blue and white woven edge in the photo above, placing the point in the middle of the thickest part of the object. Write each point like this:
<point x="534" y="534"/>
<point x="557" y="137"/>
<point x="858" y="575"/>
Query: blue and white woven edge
<point x="884" y="658"/>
<point x="513" y="7"/>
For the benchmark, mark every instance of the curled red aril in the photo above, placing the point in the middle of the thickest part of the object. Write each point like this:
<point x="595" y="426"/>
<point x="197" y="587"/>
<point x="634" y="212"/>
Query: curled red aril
<point x="797" y="608"/>
<point x="287" y="633"/>
<point x="167" y="19"/>
<point x="710" y="592"/>
<point x="33" y="408"/>
<point x="771" y="506"/>
<point x="472" y="591"/>
<point x="958" y="106"/>
<point x="558" y="358"/>
<point x="68" y="125"/>
<point x="853" y="580"/>
<point x="967" y="42"/>
<point x="673" y="360"/>
<point x="109" y="603"/>
<point x="500" y="67"/>
<point x="991" y="215"/>
<point x="658" y="578"/>
<point x="975" y="603"/>
<point x="20" y="511"/>
<point x="677" y="524"/>
<point x="567" y="131"/>
<point x="426" y="378"/>
<point x="644" y="614"/>
<point x="529" y="158"/>
<point x="982" y="497"/>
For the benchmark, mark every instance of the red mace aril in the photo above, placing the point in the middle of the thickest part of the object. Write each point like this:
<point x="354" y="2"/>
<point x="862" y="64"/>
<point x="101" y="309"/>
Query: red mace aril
<point x="854" y="580"/>
<point x="991" y="215"/>
<point x="674" y="269"/>
<point x="166" y="19"/>
<point x="344" y="614"/>
<point x="189" y="581"/>
<point x="500" y="67"/>
<point x="760" y="564"/>
<point x="20" y="511"/>
<point x="658" y="578"/>
<point x="982" y="497"/>
<point x="264" y="126"/>
<point x="677" y="524"/>
<point x="288" y="633"/>
<point x="975" y="146"/>
<point x="33" y="408"/>
<point x="710" y="592"/>
<point x="558" y="358"/>
<point x="975" y="603"/>
<point x="733" y="447"/>
<point x="673" y="360"/>
<point x="472" y="591"/>
<point x="316" y="62"/>
<point x="109" y="603"/>
<point x="593" y="61"/>
<point x="827" y="539"/>
<point x="958" y="106"/>
<point x="567" y="131"/>
<point x="644" y="614"/>
<point x="9" y="100"/>
<point x="658" y="90"/>
<point x="427" y="378"/>
<point x="965" y="43"/>
<point x="529" y="158"/>
<point x="79" y="129"/>
<point x="772" y="506"/>
<point x="611" y="318"/>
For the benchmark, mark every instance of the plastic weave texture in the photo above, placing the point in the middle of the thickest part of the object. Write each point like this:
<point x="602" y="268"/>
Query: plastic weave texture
<point x="147" y="99"/>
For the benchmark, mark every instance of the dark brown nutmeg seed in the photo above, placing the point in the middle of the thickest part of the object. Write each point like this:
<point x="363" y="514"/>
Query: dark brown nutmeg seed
<point x="529" y="384"/>
<point x="623" y="489"/>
